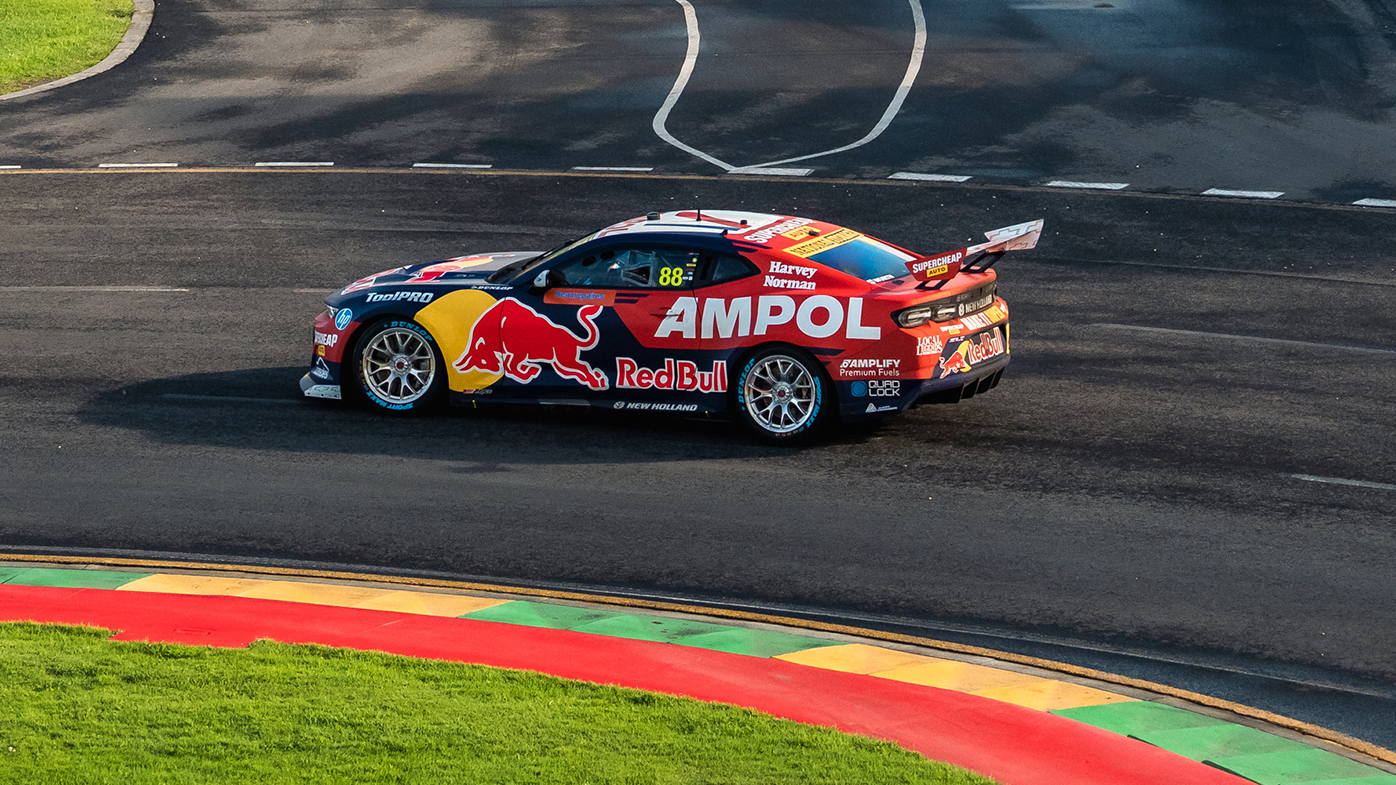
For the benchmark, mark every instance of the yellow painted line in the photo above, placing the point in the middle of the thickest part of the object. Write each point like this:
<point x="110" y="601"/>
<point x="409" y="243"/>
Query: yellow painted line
<point x="429" y="604"/>
<point x="1045" y="695"/>
<point x="855" y="658"/>
<point x="192" y="584"/>
<point x="313" y="593"/>
<point x="1342" y="740"/>
<point x="957" y="676"/>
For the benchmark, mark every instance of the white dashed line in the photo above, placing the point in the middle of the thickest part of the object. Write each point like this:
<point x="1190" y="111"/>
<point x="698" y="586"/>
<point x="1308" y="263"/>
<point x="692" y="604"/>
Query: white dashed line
<point x="452" y="166"/>
<point x="1381" y="486"/>
<point x="661" y="118"/>
<point x="1243" y="194"/>
<point x="777" y="172"/>
<point x="233" y="398"/>
<point x="1258" y="339"/>
<point x="9" y="166"/>
<point x="1089" y="186"/>
<point x="930" y="178"/>
<point x="90" y="289"/>
<point x="294" y="163"/>
<point x="613" y="169"/>
<point x="313" y="291"/>
<point x="1376" y="202"/>
<point x="136" y="166"/>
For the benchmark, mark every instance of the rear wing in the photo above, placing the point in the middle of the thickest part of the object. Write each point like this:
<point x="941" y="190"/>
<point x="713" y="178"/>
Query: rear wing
<point x="976" y="258"/>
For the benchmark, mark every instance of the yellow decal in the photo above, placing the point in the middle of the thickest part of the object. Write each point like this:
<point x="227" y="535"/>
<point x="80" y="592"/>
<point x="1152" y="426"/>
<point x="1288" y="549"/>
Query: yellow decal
<point x="934" y="271"/>
<point x="449" y="319"/>
<point x="801" y="232"/>
<point x="823" y="243"/>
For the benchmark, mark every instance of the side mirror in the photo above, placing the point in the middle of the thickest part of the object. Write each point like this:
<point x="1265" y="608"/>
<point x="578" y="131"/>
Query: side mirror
<point x="548" y="279"/>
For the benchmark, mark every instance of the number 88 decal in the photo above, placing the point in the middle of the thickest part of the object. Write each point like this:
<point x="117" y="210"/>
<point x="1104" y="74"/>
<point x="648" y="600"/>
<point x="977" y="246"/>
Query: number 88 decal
<point x="671" y="276"/>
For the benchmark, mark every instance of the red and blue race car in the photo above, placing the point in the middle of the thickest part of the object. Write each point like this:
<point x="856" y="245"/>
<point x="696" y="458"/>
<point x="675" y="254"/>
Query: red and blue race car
<point x="786" y="323"/>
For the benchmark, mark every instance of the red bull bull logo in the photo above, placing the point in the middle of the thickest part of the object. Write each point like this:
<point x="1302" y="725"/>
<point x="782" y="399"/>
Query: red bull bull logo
<point x="955" y="361"/>
<point x="513" y="339"/>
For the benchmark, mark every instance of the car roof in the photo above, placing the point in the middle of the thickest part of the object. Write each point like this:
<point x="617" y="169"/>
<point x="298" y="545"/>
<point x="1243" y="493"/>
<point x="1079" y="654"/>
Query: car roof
<point x="767" y="230"/>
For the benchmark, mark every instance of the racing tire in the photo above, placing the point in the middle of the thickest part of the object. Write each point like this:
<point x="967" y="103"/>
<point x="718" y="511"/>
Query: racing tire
<point x="783" y="395"/>
<point x="397" y="367"/>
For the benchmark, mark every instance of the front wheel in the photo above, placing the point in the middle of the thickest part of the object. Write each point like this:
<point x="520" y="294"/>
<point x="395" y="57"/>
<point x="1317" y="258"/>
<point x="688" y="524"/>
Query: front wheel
<point x="398" y="368"/>
<point x="782" y="395"/>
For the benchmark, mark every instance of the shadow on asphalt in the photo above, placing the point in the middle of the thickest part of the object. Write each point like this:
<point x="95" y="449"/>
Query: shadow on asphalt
<point x="261" y="408"/>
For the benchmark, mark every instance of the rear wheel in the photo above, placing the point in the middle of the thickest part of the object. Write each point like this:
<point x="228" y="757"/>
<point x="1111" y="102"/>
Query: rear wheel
<point x="398" y="367"/>
<point x="783" y="395"/>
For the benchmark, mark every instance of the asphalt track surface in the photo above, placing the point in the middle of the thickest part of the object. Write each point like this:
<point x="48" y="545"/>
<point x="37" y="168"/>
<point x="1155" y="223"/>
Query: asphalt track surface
<point x="1133" y="497"/>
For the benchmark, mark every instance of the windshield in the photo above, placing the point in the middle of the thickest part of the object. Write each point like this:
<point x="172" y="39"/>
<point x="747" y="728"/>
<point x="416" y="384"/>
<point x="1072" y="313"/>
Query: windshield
<point x="866" y="258"/>
<point x="527" y="264"/>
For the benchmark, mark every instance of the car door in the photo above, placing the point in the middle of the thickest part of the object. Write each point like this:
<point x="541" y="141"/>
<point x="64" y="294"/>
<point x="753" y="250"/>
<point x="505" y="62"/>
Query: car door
<point x="593" y="321"/>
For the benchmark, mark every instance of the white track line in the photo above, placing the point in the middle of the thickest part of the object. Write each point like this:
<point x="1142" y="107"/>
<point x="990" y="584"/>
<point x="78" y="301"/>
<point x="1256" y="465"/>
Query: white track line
<point x="1229" y="336"/>
<point x="235" y="398"/>
<point x="661" y="118"/>
<point x="690" y="18"/>
<point x="1243" y="194"/>
<point x="930" y="178"/>
<point x="775" y="171"/>
<point x="136" y="166"/>
<point x="294" y="163"/>
<point x="1381" y="486"/>
<point x="90" y="289"/>
<point x="452" y="166"/>
<point x="1089" y="186"/>
<point x="918" y="53"/>
<point x="613" y="168"/>
<point x="1361" y="202"/>
<point x="9" y="166"/>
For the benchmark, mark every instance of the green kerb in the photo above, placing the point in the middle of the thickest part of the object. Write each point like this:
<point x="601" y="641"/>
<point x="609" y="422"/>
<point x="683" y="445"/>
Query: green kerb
<point x="67" y="579"/>
<point x="703" y="635"/>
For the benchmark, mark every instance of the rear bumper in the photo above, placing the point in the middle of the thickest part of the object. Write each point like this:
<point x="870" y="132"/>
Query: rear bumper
<point x="867" y="400"/>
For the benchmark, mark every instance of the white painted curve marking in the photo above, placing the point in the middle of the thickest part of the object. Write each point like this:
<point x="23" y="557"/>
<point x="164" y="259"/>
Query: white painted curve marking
<point x="1381" y="486"/>
<point x="918" y="53"/>
<point x="1359" y="202"/>
<point x="1256" y="338"/>
<point x="661" y="118"/>
<point x="690" y="18"/>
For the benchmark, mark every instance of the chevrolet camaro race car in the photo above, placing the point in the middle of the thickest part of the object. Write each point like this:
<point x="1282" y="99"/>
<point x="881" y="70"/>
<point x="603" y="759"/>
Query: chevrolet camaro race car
<point x="786" y="323"/>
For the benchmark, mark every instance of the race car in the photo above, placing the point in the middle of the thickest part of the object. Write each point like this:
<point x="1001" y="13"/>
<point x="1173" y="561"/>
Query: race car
<point x="787" y="323"/>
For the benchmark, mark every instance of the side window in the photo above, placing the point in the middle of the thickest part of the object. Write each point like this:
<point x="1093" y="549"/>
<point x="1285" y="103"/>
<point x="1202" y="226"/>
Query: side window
<point x="632" y="268"/>
<point x="720" y="268"/>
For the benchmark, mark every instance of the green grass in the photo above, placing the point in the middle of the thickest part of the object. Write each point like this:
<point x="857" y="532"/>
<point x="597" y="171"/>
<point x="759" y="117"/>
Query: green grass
<point x="76" y="708"/>
<point x="42" y="40"/>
